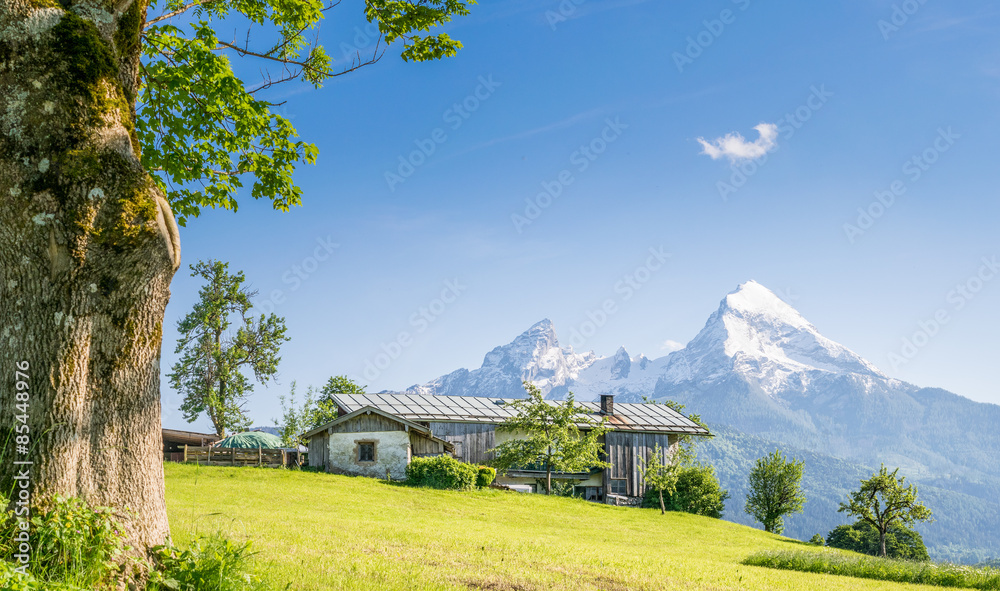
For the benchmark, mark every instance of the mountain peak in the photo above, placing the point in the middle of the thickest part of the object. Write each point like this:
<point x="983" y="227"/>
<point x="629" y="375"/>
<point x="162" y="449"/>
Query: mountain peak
<point x="756" y="331"/>
<point x="752" y="298"/>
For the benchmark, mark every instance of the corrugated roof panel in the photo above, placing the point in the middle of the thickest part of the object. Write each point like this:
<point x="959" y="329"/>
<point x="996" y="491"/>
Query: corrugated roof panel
<point x="627" y="416"/>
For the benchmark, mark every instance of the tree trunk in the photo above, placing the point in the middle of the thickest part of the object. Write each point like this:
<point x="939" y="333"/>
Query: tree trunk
<point x="881" y="542"/>
<point x="548" y="473"/>
<point x="88" y="246"/>
<point x="663" y="508"/>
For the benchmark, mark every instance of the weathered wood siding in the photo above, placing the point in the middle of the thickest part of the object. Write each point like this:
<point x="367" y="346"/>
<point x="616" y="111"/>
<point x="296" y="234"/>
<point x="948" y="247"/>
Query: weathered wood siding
<point x="472" y="440"/>
<point x="628" y="452"/>
<point x="368" y="424"/>
<point x="319" y="451"/>
<point x="420" y="445"/>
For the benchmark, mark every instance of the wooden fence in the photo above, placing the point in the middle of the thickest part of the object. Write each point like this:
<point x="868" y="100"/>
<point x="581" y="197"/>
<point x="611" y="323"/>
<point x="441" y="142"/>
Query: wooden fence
<point x="231" y="456"/>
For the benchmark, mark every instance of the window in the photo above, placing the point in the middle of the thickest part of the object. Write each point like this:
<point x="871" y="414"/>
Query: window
<point x="618" y="486"/>
<point x="366" y="451"/>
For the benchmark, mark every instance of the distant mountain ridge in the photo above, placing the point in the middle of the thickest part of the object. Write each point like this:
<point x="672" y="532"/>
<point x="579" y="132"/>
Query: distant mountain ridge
<point x="759" y="367"/>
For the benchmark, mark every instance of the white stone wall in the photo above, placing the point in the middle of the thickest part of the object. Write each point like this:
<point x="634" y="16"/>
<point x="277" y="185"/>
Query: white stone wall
<point x="392" y="451"/>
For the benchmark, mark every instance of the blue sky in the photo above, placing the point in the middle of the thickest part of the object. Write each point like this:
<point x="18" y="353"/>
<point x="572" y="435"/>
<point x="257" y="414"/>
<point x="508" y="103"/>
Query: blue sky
<point x="602" y="103"/>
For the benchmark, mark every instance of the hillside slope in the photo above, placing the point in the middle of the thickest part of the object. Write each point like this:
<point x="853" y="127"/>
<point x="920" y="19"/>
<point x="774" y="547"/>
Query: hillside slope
<point x="321" y="532"/>
<point x="965" y="512"/>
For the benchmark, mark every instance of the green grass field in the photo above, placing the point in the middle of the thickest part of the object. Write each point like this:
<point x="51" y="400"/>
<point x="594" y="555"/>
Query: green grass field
<point x="320" y="531"/>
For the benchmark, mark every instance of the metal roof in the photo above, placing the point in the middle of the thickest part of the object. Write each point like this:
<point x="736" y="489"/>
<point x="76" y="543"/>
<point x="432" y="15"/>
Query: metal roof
<point x="646" y="418"/>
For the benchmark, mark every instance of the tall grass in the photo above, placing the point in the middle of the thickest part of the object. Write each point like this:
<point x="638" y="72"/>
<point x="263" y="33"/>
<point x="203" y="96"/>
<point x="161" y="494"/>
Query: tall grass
<point x="883" y="569"/>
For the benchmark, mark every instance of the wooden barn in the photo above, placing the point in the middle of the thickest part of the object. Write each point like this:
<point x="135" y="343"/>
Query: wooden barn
<point x="466" y="427"/>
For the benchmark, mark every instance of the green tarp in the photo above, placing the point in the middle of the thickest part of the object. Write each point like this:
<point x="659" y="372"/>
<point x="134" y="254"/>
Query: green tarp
<point x="251" y="440"/>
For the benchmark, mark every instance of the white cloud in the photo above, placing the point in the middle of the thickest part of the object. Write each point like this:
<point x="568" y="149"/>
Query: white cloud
<point x="735" y="147"/>
<point x="669" y="345"/>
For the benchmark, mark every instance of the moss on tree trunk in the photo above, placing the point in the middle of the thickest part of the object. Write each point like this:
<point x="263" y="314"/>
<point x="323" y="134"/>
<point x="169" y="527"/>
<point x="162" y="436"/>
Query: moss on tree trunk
<point x="88" y="246"/>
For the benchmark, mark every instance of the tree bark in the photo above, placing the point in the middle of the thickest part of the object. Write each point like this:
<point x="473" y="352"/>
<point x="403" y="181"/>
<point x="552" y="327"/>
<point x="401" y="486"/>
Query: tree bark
<point x="88" y="246"/>
<point x="663" y="508"/>
<point x="548" y="473"/>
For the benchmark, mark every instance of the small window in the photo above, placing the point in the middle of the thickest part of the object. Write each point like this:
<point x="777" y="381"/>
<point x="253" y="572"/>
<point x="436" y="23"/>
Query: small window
<point x="619" y="487"/>
<point x="366" y="452"/>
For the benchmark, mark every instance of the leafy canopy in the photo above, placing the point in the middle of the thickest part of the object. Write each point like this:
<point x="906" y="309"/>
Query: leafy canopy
<point x="550" y="436"/>
<point x="203" y="129"/>
<point x="883" y="501"/>
<point x="775" y="491"/>
<point x="900" y="541"/>
<point x="209" y="371"/>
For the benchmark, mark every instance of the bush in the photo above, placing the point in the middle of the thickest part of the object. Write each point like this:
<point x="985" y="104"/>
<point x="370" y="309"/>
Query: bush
<point x="209" y="563"/>
<point x="75" y="547"/>
<point x="697" y="492"/>
<point x="485" y="476"/>
<point x="443" y="472"/>
<point x="816" y="540"/>
<point x="883" y="569"/>
<point x="900" y="542"/>
<point x="71" y="542"/>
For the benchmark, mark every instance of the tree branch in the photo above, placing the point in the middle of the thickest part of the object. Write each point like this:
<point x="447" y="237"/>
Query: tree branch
<point x="177" y="12"/>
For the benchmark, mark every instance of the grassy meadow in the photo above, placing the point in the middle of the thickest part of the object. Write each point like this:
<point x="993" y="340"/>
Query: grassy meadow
<point x="320" y="531"/>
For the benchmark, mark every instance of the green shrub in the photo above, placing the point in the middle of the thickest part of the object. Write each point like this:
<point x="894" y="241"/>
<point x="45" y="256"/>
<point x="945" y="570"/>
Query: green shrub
<point x="71" y="542"/>
<point x="209" y="563"/>
<point x="697" y="492"/>
<point x="443" y="472"/>
<point x="883" y="569"/>
<point x="900" y="541"/>
<point x="560" y="488"/>
<point x="485" y="476"/>
<point x="816" y="540"/>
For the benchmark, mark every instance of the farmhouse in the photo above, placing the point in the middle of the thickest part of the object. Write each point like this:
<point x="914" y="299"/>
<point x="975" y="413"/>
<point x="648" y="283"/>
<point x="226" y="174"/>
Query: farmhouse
<point x="379" y="432"/>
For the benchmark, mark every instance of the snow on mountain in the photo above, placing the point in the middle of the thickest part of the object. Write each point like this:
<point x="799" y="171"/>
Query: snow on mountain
<point x="534" y="356"/>
<point x="753" y="333"/>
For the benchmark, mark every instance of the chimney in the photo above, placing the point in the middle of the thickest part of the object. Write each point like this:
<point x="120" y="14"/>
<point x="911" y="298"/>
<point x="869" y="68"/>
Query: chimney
<point x="607" y="404"/>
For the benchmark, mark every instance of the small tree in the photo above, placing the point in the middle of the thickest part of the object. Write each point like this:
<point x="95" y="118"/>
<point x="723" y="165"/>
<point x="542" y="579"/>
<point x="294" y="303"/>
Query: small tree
<point x="659" y="475"/>
<point x="775" y="491"/>
<point x="208" y="373"/>
<point x="884" y="501"/>
<point x="900" y="541"/>
<point x="295" y="420"/>
<point x="559" y="436"/>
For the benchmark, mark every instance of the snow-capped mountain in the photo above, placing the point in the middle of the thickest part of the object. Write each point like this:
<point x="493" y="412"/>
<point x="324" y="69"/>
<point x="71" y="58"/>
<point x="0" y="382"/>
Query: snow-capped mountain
<point x="534" y="356"/>
<point x="761" y="367"/>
